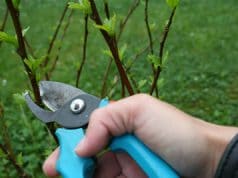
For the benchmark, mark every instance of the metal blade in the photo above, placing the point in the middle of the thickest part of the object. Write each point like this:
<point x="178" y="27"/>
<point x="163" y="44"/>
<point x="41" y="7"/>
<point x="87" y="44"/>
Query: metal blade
<point x="55" y="94"/>
<point x="45" y="116"/>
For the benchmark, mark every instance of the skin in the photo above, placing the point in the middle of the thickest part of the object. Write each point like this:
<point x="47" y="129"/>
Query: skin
<point x="191" y="146"/>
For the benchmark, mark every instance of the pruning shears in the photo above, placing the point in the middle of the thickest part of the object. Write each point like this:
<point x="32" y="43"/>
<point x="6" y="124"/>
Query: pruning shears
<point x="71" y="108"/>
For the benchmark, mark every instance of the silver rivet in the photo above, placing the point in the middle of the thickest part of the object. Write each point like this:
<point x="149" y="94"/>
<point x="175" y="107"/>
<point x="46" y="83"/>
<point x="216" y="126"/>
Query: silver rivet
<point x="77" y="105"/>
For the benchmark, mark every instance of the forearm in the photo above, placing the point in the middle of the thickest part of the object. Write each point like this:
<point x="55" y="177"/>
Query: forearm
<point x="218" y="137"/>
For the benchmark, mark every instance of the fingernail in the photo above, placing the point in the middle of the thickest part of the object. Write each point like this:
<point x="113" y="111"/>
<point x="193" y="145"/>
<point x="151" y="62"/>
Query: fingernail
<point x="80" y="146"/>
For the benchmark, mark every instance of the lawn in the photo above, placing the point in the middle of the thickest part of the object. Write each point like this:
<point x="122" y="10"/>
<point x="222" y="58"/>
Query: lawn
<point x="200" y="76"/>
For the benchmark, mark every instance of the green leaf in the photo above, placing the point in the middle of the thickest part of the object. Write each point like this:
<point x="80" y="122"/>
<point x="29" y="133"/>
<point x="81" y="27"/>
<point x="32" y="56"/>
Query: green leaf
<point x="4" y="37"/>
<point x="141" y="83"/>
<point x="38" y="76"/>
<point x="122" y="51"/>
<point x="19" y="159"/>
<point x="16" y="3"/>
<point x="155" y="60"/>
<point x="165" y="57"/>
<point x="34" y="64"/>
<point x="172" y="3"/>
<point x="19" y="98"/>
<point x="108" y="53"/>
<point x="83" y="5"/>
<point x="25" y="30"/>
<point x="108" y="25"/>
<point x="152" y="26"/>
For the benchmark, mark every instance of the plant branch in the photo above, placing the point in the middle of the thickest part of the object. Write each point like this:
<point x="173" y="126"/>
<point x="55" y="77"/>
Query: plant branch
<point x="23" y="54"/>
<point x="162" y="44"/>
<point x="130" y="12"/>
<point x="106" y="9"/>
<point x="122" y="26"/>
<point x="7" y="149"/>
<point x="148" y="27"/>
<point x="112" y="44"/>
<point x="4" y="130"/>
<point x="60" y="47"/>
<point x="151" y="44"/>
<point x="10" y="157"/>
<point x="22" y="49"/>
<point x="104" y="81"/>
<point x="133" y="60"/>
<point x="51" y="44"/>
<point x="79" y="71"/>
<point x="31" y="51"/>
<point x="4" y="22"/>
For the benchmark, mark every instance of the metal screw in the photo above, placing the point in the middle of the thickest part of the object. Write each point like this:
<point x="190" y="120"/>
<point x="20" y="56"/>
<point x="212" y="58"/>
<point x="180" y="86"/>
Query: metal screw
<point x="77" y="106"/>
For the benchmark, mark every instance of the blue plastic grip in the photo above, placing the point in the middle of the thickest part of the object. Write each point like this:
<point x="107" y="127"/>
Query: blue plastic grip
<point x="69" y="164"/>
<point x="149" y="162"/>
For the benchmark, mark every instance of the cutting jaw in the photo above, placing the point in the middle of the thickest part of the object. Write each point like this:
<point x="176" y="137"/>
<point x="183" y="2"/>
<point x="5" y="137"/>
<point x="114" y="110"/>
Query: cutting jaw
<point x="58" y="97"/>
<point x="55" y="94"/>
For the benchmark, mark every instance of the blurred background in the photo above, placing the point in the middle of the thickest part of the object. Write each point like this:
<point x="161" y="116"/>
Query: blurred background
<point x="200" y="75"/>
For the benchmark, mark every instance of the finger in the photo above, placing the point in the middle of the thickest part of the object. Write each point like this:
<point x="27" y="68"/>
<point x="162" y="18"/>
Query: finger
<point x="129" y="168"/>
<point x="113" y="120"/>
<point x="107" y="166"/>
<point x="49" y="166"/>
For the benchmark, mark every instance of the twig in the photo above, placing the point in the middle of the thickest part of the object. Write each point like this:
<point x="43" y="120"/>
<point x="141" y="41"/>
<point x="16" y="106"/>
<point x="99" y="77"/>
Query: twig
<point x="104" y="81"/>
<point x="31" y="51"/>
<point x="4" y="22"/>
<point x="130" y="12"/>
<point x="4" y="130"/>
<point x="135" y="84"/>
<point x="23" y="54"/>
<point x="151" y="44"/>
<point x="22" y="49"/>
<point x="106" y="9"/>
<point x="112" y="44"/>
<point x="19" y="169"/>
<point x="122" y="26"/>
<point x="60" y="47"/>
<point x="79" y="71"/>
<point x="133" y="60"/>
<point x="148" y="27"/>
<point x="162" y="43"/>
<point x="7" y="149"/>
<point x="51" y="44"/>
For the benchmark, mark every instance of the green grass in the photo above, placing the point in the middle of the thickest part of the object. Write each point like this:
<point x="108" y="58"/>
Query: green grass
<point x="204" y="61"/>
<point x="200" y="76"/>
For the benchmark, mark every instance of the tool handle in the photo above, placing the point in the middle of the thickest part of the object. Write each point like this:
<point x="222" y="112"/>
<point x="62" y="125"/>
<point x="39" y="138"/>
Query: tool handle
<point x="149" y="162"/>
<point x="69" y="164"/>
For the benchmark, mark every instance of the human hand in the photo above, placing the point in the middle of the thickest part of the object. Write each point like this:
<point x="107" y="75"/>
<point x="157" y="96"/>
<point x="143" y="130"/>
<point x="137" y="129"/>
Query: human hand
<point x="109" y="165"/>
<point x="191" y="146"/>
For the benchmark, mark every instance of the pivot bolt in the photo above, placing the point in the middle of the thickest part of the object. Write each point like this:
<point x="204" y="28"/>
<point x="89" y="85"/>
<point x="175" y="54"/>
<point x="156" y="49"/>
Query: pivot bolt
<point x="77" y="106"/>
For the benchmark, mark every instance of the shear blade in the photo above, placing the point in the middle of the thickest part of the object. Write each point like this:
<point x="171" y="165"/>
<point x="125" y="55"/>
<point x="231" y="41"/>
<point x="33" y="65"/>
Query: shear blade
<point x="59" y="98"/>
<point x="44" y="115"/>
<point x="54" y="94"/>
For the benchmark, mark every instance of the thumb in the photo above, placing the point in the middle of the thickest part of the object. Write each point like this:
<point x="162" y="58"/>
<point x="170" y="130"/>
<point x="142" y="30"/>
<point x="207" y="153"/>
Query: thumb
<point x="115" y="119"/>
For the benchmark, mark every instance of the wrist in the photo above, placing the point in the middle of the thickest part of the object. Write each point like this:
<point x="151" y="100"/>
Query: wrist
<point x="218" y="137"/>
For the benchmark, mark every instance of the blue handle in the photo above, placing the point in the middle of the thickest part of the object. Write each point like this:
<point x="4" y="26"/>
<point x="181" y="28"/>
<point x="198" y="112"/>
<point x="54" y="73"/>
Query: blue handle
<point x="150" y="163"/>
<point x="70" y="165"/>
